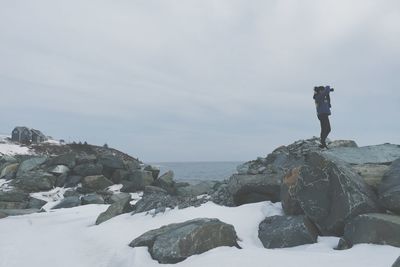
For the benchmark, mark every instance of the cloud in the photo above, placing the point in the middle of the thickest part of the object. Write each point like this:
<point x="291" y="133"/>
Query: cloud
<point x="185" y="79"/>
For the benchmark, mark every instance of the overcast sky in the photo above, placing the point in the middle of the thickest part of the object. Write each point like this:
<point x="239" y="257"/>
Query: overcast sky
<point x="168" y="80"/>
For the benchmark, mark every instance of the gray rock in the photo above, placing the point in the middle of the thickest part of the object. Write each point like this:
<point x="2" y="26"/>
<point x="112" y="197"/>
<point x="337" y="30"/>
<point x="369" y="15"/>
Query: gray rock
<point x="119" y="175"/>
<point x="374" y="228"/>
<point x="118" y="197"/>
<point x="372" y="173"/>
<point x="389" y="190"/>
<point x="133" y="165"/>
<point x="13" y="205"/>
<point x="35" y="203"/>
<point x="137" y="181"/>
<point x="329" y="192"/>
<point x="88" y="169"/>
<point x="201" y="188"/>
<point x="92" y="199"/>
<point x="157" y="201"/>
<point x="115" y="209"/>
<point x="95" y="182"/>
<point x="9" y="171"/>
<point x="68" y="202"/>
<point x="379" y="154"/>
<point x="59" y="169"/>
<point x="154" y="190"/>
<point x="14" y="196"/>
<point x="29" y="165"/>
<point x="287" y="231"/>
<point x="71" y="193"/>
<point x="110" y="163"/>
<point x="72" y="181"/>
<point x="396" y="263"/>
<point x="153" y="169"/>
<point x="35" y="181"/>
<point x="7" y="159"/>
<point x="60" y="180"/>
<point x="176" y="242"/>
<point x="166" y="181"/>
<point x="255" y="188"/>
<point x="68" y="159"/>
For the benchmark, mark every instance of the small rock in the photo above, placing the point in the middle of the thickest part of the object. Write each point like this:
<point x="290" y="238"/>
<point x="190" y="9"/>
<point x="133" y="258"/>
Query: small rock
<point x="287" y="231"/>
<point x="115" y="209"/>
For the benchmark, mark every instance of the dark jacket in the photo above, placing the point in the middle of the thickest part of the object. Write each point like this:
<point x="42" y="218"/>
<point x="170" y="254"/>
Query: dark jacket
<point x="322" y="101"/>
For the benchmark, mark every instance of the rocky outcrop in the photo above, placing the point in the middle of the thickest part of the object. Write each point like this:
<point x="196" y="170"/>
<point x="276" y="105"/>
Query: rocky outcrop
<point x="389" y="189"/>
<point x="373" y="228"/>
<point x="329" y="192"/>
<point x="137" y="180"/>
<point x="34" y="180"/>
<point x="166" y="181"/>
<point x="287" y="231"/>
<point x="88" y="169"/>
<point x="92" y="199"/>
<point x="119" y="207"/>
<point x="176" y="242"/>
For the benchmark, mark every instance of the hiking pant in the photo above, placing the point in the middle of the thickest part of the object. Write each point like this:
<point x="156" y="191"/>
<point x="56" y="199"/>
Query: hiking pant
<point x="325" y="126"/>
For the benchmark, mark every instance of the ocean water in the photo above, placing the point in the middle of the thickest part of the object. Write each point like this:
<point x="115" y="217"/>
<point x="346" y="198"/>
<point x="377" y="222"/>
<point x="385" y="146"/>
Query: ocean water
<point x="194" y="172"/>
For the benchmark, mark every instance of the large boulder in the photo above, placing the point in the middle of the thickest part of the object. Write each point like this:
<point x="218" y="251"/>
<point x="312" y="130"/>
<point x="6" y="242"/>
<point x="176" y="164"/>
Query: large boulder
<point x="35" y="181"/>
<point x="88" y="169"/>
<point x="35" y="203"/>
<point x="29" y="165"/>
<point x="115" y="209"/>
<point x="68" y="159"/>
<point x="72" y="181"/>
<point x="95" y="183"/>
<point x="137" y="181"/>
<point x="14" y="199"/>
<point x="201" y="188"/>
<point x="373" y="228"/>
<point x="389" y="190"/>
<point x="247" y="188"/>
<point x="175" y="242"/>
<point x="287" y="231"/>
<point x="329" y="192"/>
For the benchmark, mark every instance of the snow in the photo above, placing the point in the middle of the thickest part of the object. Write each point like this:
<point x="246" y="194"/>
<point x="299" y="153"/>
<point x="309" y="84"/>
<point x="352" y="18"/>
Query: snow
<point x="68" y="237"/>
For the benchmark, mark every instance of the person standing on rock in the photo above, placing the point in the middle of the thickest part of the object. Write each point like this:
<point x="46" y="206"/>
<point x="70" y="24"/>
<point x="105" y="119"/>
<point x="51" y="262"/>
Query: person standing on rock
<point x="323" y="104"/>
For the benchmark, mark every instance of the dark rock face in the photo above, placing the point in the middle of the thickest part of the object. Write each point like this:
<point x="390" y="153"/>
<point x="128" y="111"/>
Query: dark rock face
<point x="92" y="199"/>
<point x="117" y="208"/>
<point x="118" y="197"/>
<point x="35" y="181"/>
<point x="396" y="263"/>
<point x="254" y="188"/>
<point x="88" y="169"/>
<point x="14" y="199"/>
<point x="159" y="201"/>
<point x="373" y="228"/>
<point x="389" y="190"/>
<point x="68" y="202"/>
<point x="329" y="192"/>
<point x="3" y="215"/>
<point x="95" y="183"/>
<point x="35" y="203"/>
<point x="176" y="242"/>
<point x="287" y="231"/>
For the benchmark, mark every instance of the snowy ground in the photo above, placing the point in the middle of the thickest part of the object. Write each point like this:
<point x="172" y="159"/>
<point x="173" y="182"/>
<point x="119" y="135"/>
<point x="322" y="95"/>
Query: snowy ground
<point x="9" y="148"/>
<point x="68" y="237"/>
